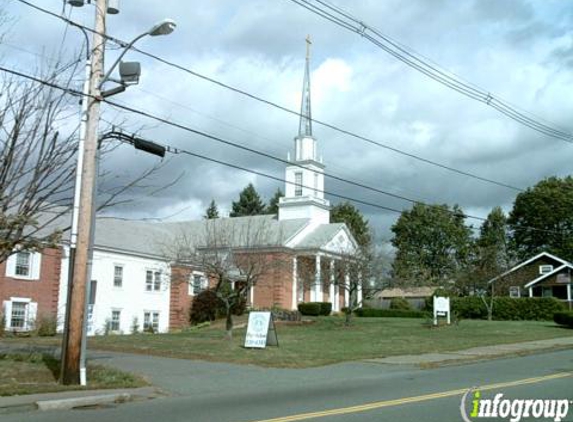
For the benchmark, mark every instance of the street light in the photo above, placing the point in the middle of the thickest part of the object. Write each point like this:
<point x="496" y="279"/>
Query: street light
<point x="165" y="27"/>
<point x="73" y="345"/>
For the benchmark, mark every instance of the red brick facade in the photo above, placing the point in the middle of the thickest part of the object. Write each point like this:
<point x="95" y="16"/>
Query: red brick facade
<point x="44" y="291"/>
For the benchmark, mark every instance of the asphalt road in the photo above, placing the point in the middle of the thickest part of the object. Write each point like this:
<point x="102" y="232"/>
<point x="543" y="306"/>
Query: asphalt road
<point x="200" y="391"/>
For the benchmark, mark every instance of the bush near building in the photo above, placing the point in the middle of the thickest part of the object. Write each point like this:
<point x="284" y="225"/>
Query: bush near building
<point x="400" y="303"/>
<point x="564" y="318"/>
<point x="315" y="308"/>
<point x="388" y="313"/>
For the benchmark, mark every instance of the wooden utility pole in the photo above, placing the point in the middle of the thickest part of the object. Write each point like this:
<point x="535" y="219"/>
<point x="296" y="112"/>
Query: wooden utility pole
<point x="72" y="342"/>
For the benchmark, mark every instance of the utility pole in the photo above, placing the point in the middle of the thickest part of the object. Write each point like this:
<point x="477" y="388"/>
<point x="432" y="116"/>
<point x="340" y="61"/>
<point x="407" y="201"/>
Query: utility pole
<point x="72" y="342"/>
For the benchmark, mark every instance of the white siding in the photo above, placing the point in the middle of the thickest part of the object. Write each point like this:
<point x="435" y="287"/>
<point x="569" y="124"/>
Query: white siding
<point x="131" y="299"/>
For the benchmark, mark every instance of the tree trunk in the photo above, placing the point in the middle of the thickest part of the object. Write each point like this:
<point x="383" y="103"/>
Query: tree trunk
<point x="348" y="318"/>
<point x="229" y="324"/>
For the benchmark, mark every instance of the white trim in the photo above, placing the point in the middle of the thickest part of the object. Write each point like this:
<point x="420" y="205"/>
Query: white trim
<point x="20" y="299"/>
<point x="544" y="276"/>
<point x="530" y="260"/>
<point x="34" y="266"/>
<point x="518" y="291"/>
<point x="204" y="282"/>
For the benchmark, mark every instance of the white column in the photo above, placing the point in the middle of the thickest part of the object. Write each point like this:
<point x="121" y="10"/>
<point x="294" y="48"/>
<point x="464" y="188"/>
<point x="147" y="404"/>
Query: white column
<point x="569" y="292"/>
<point x="331" y="287"/>
<point x="294" y="284"/>
<point x="346" y="289"/>
<point x="531" y="292"/>
<point x="252" y="296"/>
<point x="317" y="281"/>
<point x="359" y="290"/>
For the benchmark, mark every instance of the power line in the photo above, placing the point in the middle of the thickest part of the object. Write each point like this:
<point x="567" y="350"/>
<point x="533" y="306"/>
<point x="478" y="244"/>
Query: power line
<point x="343" y="19"/>
<point x="180" y="150"/>
<point x="282" y="108"/>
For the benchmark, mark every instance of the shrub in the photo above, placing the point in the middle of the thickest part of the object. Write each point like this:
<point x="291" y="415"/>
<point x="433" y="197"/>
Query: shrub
<point x="46" y="327"/>
<point x="564" y="318"/>
<point x="325" y="308"/>
<point x="238" y="308"/>
<point x="507" y="309"/>
<point x="2" y="325"/>
<point x="400" y="303"/>
<point x="309" y="308"/>
<point x="388" y="313"/>
<point x="205" y="307"/>
<point x="134" y="329"/>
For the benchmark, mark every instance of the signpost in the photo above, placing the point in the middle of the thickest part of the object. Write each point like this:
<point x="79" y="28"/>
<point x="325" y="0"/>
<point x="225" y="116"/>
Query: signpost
<point x="441" y="308"/>
<point x="261" y="331"/>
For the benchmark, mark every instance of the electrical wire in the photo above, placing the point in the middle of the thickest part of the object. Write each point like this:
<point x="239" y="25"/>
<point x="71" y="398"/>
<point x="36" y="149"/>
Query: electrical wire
<point x="282" y="108"/>
<point x="343" y="19"/>
<point x="235" y="166"/>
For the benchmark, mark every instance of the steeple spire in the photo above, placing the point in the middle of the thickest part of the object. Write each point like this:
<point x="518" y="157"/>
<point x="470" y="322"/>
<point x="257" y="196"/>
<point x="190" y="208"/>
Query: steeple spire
<point x="305" y="125"/>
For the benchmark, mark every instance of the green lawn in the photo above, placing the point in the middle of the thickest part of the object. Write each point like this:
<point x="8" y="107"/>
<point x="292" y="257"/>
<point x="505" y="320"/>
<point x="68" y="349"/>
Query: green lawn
<point x="32" y="373"/>
<point x="328" y="340"/>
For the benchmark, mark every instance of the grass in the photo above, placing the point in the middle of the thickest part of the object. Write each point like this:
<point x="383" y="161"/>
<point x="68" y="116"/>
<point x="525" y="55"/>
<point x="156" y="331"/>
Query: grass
<point x="34" y="373"/>
<point x="327" y="340"/>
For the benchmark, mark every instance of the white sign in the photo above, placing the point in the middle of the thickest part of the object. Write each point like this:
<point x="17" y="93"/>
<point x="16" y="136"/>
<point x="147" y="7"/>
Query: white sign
<point x="441" y="308"/>
<point x="261" y="331"/>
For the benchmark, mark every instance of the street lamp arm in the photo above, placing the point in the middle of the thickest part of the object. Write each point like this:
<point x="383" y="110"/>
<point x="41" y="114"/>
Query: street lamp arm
<point x="125" y="50"/>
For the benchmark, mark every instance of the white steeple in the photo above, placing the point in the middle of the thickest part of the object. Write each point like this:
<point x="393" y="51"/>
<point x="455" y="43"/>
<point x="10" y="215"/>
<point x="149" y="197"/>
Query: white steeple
<point x="304" y="190"/>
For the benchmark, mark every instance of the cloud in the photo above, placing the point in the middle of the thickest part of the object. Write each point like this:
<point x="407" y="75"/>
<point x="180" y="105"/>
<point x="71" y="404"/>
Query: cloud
<point x="520" y="51"/>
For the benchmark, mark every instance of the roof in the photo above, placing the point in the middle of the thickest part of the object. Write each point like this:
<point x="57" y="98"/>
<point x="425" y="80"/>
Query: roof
<point x="262" y="231"/>
<point x="407" y="292"/>
<point x="529" y="261"/>
<point x="320" y="236"/>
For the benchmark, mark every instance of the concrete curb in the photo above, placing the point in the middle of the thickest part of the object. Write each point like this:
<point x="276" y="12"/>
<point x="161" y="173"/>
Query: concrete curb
<point x="75" y="399"/>
<point x="66" y="404"/>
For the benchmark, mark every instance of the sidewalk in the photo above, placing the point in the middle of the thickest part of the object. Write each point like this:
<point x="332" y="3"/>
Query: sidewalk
<point x="477" y="353"/>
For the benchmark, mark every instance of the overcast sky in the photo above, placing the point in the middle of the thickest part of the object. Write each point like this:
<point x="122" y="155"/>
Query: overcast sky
<point x="521" y="51"/>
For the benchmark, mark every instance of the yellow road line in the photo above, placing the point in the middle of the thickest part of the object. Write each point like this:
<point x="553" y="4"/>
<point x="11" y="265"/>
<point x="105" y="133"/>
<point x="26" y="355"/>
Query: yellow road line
<point x="415" y="399"/>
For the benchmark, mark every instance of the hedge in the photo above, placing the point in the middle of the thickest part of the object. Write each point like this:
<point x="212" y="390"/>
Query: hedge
<point x="400" y="303"/>
<point x="564" y="318"/>
<point x="315" y="308"/>
<point x="506" y="308"/>
<point x="388" y="313"/>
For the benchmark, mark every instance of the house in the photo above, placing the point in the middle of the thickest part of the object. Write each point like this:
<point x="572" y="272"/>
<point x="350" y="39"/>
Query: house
<point x="544" y="275"/>
<point x="29" y="286"/>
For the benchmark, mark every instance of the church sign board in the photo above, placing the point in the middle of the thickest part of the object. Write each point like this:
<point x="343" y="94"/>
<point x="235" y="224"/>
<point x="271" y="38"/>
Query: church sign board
<point x="261" y="331"/>
<point x="441" y="308"/>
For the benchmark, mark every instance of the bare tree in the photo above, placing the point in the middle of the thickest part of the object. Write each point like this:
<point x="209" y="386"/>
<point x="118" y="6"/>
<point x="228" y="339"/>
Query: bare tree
<point x="38" y="144"/>
<point x="236" y="254"/>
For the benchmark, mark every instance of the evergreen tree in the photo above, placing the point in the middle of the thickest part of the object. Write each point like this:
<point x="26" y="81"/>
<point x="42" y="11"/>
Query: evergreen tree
<point x="357" y="224"/>
<point x="212" y="211"/>
<point x="249" y="203"/>
<point x="273" y="207"/>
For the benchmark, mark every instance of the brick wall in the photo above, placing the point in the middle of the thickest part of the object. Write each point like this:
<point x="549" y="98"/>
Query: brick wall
<point x="43" y="291"/>
<point x="179" y="300"/>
